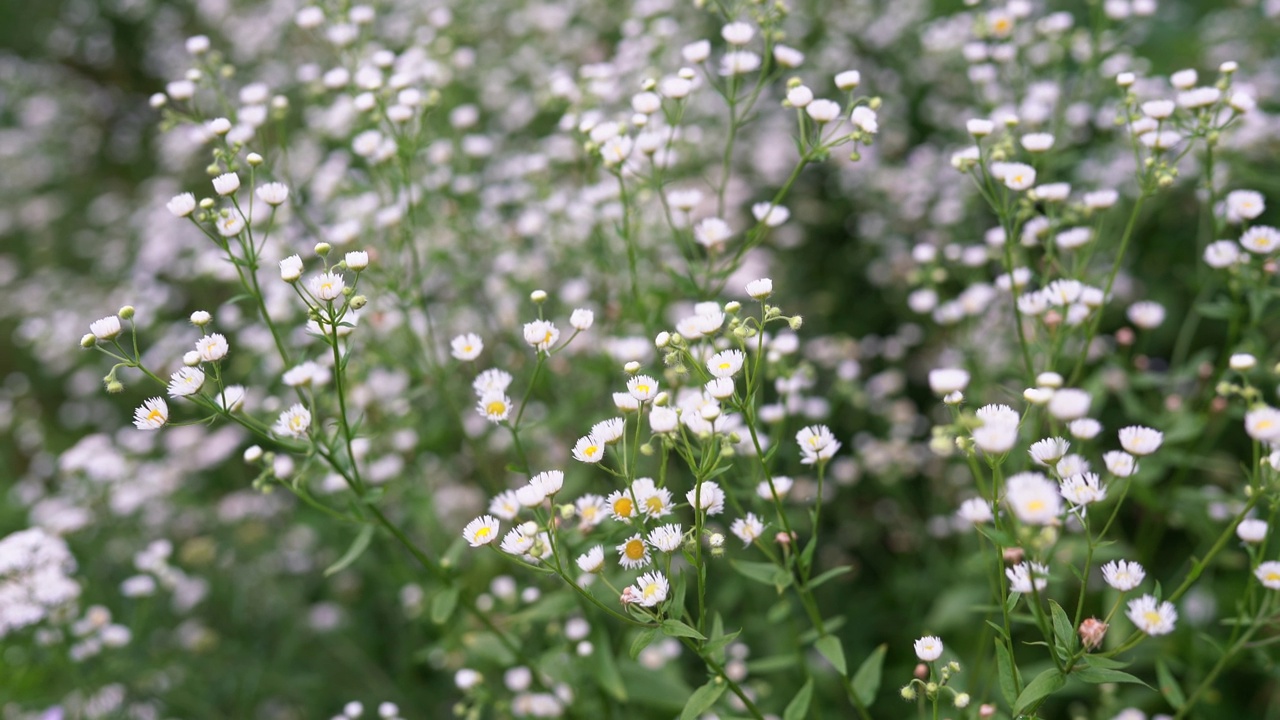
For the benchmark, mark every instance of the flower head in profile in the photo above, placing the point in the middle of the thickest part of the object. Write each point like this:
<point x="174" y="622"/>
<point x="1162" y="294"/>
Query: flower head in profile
<point x="592" y="561"/>
<point x="1139" y="440"/>
<point x="707" y="496"/>
<point x="666" y="538"/>
<point x="817" y="444"/>
<point x="106" y="328"/>
<point x="152" y="414"/>
<point x="186" y="381"/>
<point x="1268" y="573"/>
<point x="1033" y="498"/>
<point x="928" y="648"/>
<point x="1123" y="575"/>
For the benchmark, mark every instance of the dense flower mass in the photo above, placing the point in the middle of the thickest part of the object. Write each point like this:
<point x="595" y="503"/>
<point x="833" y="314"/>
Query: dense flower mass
<point x="958" y="316"/>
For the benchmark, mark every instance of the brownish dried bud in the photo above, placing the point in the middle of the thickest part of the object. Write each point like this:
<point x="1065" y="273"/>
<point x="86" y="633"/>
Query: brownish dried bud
<point x="1092" y="631"/>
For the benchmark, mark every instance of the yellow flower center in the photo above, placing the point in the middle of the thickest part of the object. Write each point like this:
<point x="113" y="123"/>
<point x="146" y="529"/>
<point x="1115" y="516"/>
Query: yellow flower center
<point x="1152" y="617"/>
<point x="651" y="589"/>
<point x="591" y="450"/>
<point x="622" y="507"/>
<point x="1273" y="576"/>
<point x="1003" y="25"/>
<point x="654" y="503"/>
<point x="725" y="365"/>
<point x="155" y="414"/>
<point x="634" y="549"/>
<point x="495" y="408"/>
<point x="642" y="388"/>
<point x="483" y="533"/>
<point x="1035" y="505"/>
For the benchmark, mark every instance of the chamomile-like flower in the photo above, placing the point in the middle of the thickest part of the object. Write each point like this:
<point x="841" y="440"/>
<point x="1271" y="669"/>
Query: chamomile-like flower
<point x="327" y="286"/>
<point x="1139" y="440"/>
<point x="650" y="589"/>
<point x="1123" y="575"/>
<point x="1268" y="573"/>
<point x="666" y="538"/>
<point x="467" y="346"/>
<point x="592" y="561"/>
<point x="588" y="449"/>
<point x="622" y="507"/>
<point x="505" y="505"/>
<point x="1151" y="616"/>
<point x="928" y="648"/>
<point x="481" y="531"/>
<point x="1023" y="575"/>
<point x="186" y="381"/>
<point x="642" y="387"/>
<point x="212" y="347"/>
<point x="633" y="552"/>
<point x="293" y="422"/>
<point x="726" y="363"/>
<point x="1033" y="498"/>
<point x="591" y="510"/>
<point x="816" y="444"/>
<point x="495" y="407"/>
<point x="152" y="414"/>
<point x="708" y="496"/>
<point x="747" y="529"/>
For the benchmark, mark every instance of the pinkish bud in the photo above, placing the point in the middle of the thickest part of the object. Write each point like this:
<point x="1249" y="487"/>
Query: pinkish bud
<point x="922" y="671"/>
<point x="1092" y="631"/>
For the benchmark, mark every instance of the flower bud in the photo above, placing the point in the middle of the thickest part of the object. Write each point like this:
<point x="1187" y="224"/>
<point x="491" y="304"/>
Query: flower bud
<point x="88" y="341"/>
<point x="126" y="312"/>
<point x="254" y="159"/>
<point x="632" y="367"/>
<point x="538" y="296"/>
<point x="322" y="248"/>
<point x="358" y="302"/>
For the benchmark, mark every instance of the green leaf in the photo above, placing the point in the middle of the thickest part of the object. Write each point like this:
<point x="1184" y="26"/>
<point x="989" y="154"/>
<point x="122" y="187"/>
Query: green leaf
<point x="833" y="572"/>
<point x="1063" y="629"/>
<point x="1009" y="680"/>
<point x="442" y="605"/>
<point x="702" y="699"/>
<point x="1168" y="685"/>
<point x="1097" y="676"/>
<point x="798" y="708"/>
<point x="715" y="647"/>
<point x="833" y="651"/>
<point x="675" y="628"/>
<point x="605" y="668"/>
<point x="866" y="681"/>
<point x="1045" y="684"/>
<point x="1102" y="662"/>
<point x="766" y="573"/>
<point x="772" y="664"/>
<point x="806" y="555"/>
<point x="642" y="640"/>
<point x="999" y="537"/>
<point x="358" y="546"/>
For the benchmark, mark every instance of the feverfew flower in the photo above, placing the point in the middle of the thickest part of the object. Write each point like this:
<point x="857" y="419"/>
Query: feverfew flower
<point x="1082" y="489"/>
<point x="327" y="286"/>
<point x="642" y="387"/>
<point x="1049" y="450"/>
<point x="495" y="406"/>
<point x="588" y="450"/>
<point x="1123" y="575"/>
<point x="491" y="381"/>
<point x="226" y="184"/>
<point x="467" y="346"/>
<point x="747" y="529"/>
<point x="666" y="538"/>
<point x="864" y="118"/>
<point x="1033" y="498"/>
<point x="1139" y="440"/>
<point x="1152" y="617"/>
<point x="273" y="193"/>
<point x="1263" y="424"/>
<point x="1260" y="239"/>
<point x="608" y="431"/>
<point x="481" y="531"/>
<point x="541" y="334"/>
<point x="293" y="422"/>
<point x="633" y="553"/>
<point x="928" y="648"/>
<point x="823" y="111"/>
<point x="707" y="496"/>
<point x="291" y="268"/>
<point x="816" y="444"/>
<point x="760" y="289"/>
<point x="739" y="62"/>
<point x="581" y="319"/>
<point x="976" y="511"/>
<point x="663" y="420"/>
<point x="650" y="589"/>
<point x="106" y="328"/>
<point x="944" y="381"/>
<point x="152" y="414"/>
<point x="1252" y="530"/>
<point x="1022" y="575"/>
<point x="1268" y="573"/>
<point x="186" y="381"/>
<point x="212" y="347"/>
<point x="182" y="205"/>
<point x="1120" y="463"/>
<point x="726" y="363"/>
<point x="1016" y="176"/>
<point x="356" y="260"/>
<point x="592" y="561"/>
